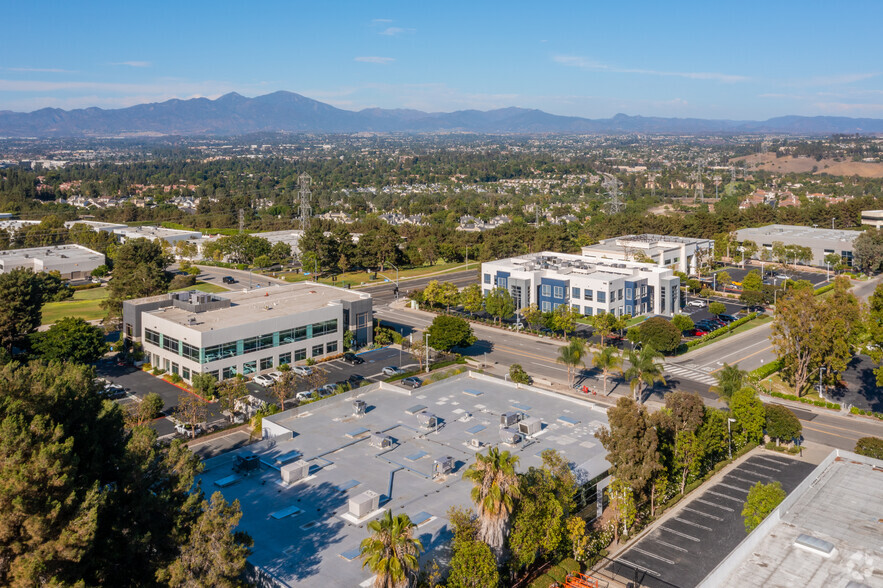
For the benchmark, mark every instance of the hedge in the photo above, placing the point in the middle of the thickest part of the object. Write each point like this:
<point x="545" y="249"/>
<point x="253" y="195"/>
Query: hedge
<point x="715" y="334"/>
<point x="766" y="370"/>
<point x="557" y="573"/>
<point x="543" y="581"/>
<point x="871" y="413"/>
<point x="819" y="403"/>
<point x="824" y="289"/>
<point x="88" y="286"/>
<point x="570" y="565"/>
<point x="782" y="449"/>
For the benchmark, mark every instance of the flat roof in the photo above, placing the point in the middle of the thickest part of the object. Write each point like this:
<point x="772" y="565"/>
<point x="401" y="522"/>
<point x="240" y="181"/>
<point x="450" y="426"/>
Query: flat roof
<point x="654" y="239"/>
<point x="249" y="306"/>
<point x="154" y="232"/>
<point x="300" y="534"/>
<point x="97" y="225"/>
<point x="56" y="252"/>
<point x="795" y="232"/>
<point x="826" y="533"/>
<point x="573" y="264"/>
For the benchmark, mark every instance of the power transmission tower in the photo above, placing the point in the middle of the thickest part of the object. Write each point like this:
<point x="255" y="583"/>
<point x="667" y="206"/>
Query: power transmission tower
<point x="717" y="182"/>
<point x="652" y="179"/>
<point x="304" y="181"/>
<point x="241" y="220"/>
<point x="615" y="203"/>
<point x="732" y="173"/>
<point x="698" y="186"/>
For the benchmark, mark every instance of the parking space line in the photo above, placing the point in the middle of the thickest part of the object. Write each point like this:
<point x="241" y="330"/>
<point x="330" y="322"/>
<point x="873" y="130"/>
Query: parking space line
<point x="732" y="487"/>
<point x="692" y="524"/>
<point x="763" y="467"/>
<point x="735" y="477"/>
<point x="679" y="534"/>
<point x="769" y="460"/>
<point x="637" y="567"/>
<point x="653" y="555"/>
<point x="704" y="514"/>
<point x="724" y="495"/>
<point x="661" y="542"/>
<point x="753" y="473"/>
<point x="720" y="506"/>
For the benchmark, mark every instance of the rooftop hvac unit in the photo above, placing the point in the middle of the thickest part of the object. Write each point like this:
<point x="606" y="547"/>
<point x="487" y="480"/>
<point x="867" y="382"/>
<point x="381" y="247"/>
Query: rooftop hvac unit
<point x="247" y="463"/>
<point x="380" y="441"/>
<point x="507" y="419"/>
<point x="530" y="426"/>
<point x="427" y="420"/>
<point x="443" y="465"/>
<point x="364" y="504"/>
<point x="359" y="407"/>
<point x="475" y="443"/>
<point x="294" y="471"/>
<point x="510" y="437"/>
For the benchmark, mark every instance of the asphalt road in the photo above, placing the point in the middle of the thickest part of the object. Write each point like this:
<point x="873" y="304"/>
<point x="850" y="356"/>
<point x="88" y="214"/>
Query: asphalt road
<point x="383" y="294"/>
<point x="245" y="279"/>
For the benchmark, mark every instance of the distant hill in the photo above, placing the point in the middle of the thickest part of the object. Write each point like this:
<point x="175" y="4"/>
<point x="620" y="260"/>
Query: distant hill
<point x="233" y="114"/>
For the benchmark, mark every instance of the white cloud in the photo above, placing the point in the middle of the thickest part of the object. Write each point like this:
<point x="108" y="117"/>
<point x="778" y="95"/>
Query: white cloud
<point x="133" y="63"/>
<point x="375" y="59"/>
<point x="395" y="31"/>
<point x="592" y="65"/>
<point x="381" y="21"/>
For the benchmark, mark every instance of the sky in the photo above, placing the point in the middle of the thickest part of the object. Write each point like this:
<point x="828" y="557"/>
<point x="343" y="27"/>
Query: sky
<point x="742" y="60"/>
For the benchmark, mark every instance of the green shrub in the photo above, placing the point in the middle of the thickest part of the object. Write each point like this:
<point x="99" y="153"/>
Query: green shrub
<point x="766" y="370"/>
<point x="722" y="331"/>
<point x="557" y="574"/>
<point x="175" y="379"/>
<point x="824" y="289"/>
<point x="543" y="581"/>
<point x="88" y="286"/>
<point x="570" y="565"/>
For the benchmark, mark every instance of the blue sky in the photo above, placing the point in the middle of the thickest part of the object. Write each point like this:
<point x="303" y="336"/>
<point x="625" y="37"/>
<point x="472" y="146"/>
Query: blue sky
<point x="741" y="60"/>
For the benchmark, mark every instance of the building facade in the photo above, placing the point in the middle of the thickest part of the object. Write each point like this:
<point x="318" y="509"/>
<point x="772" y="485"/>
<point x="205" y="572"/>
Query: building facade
<point x="246" y="332"/>
<point x="590" y="285"/>
<point x="680" y="253"/>
<point x="72" y="262"/>
<point x="822" y="242"/>
<point x="873" y="218"/>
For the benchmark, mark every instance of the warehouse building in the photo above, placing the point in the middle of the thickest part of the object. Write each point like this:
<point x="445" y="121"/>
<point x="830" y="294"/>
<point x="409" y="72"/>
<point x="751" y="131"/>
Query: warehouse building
<point x="246" y="332"/>
<point x="820" y="241"/>
<point x="591" y="285"/>
<point x="170" y="236"/>
<point x="72" y="262"/>
<point x="682" y="254"/>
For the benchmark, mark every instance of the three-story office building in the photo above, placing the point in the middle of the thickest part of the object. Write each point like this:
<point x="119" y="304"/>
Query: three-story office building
<point x="591" y="285"/>
<point x="246" y="332"/>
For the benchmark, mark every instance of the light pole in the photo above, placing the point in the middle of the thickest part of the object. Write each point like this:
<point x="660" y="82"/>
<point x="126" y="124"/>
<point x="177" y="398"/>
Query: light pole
<point x="397" y="280"/>
<point x="426" y="342"/>
<point x="821" y="382"/>
<point x="832" y="223"/>
<point x="730" y="436"/>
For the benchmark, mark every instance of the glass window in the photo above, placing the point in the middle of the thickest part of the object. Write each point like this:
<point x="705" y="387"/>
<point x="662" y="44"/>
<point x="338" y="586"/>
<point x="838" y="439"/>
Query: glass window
<point x="559" y="292"/>
<point x="588" y="311"/>
<point x="175" y="368"/>
<point x="317" y="350"/>
<point x="213" y="374"/>
<point x="285" y="358"/>
<point x="575" y="308"/>
<point x="574" y="292"/>
<point x="216" y="352"/>
<point x="286" y="336"/>
<point x="331" y="347"/>
<point x="151" y="337"/>
<point x="300" y="354"/>
<point x="250" y="344"/>
<point x="547" y="306"/>
<point x="266" y="341"/>
<point x="170" y="344"/>
<point x="547" y="290"/>
<point x="628" y="293"/>
<point x="185" y="372"/>
<point x="325" y="328"/>
<point x="300" y="333"/>
<point x="602" y="296"/>
<point x="620" y="294"/>
<point x="587" y="294"/>
<point x="249" y="367"/>
<point x="487" y="278"/>
<point x="502" y="282"/>
<point x="266" y="363"/>
<point x="228" y="372"/>
<point x="190" y="352"/>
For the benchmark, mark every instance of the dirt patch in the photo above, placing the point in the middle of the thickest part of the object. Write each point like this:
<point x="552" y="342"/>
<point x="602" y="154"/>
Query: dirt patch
<point x="805" y="165"/>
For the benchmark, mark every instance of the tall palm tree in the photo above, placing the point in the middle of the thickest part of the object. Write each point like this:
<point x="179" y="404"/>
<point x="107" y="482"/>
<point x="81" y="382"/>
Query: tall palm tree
<point x="571" y="355"/>
<point x="729" y="381"/>
<point x="391" y="550"/>
<point x="494" y="493"/>
<point x="644" y="370"/>
<point x="607" y="360"/>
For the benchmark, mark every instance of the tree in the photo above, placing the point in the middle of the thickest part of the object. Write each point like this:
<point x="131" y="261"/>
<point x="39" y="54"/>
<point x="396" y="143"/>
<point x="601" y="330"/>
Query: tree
<point x="658" y="333"/>
<point x="206" y="385"/>
<point x="145" y="411"/>
<point x="688" y="455"/>
<point x="752" y="282"/>
<point x="834" y="261"/>
<point x="839" y="327"/>
<point x="621" y="499"/>
<point x="532" y="315"/>
<point x="229" y="393"/>
<point x="499" y="304"/>
<point x="494" y="492"/>
<point x="471" y="298"/>
<point x="717" y="308"/>
<point x="781" y="424"/>
<point x="632" y="444"/>
<point x="571" y="355"/>
<point x="473" y="564"/>
<point x="564" y="319"/>
<point x="71" y="339"/>
<point x="391" y="551"/>
<point x="607" y="360"/>
<point x="518" y="375"/>
<point x="795" y="333"/>
<point x="644" y="370"/>
<point x="729" y="379"/>
<point x="417" y="349"/>
<point x="749" y="249"/>
<point x="447" y="332"/>
<point x="724" y="279"/>
<point x="191" y="410"/>
<point x="867" y="250"/>
<point x="682" y="322"/>
<point x="441" y="294"/>
<point x="607" y="323"/>
<point x="215" y="554"/>
<point x="870" y="447"/>
<point x="138" y="270"/>
<point x="284" y="388"/>
<point x="874" y="326"/>
<point x="762" y="500"/>
<point x="750" y="417"/>
<point x="21" y="300"/>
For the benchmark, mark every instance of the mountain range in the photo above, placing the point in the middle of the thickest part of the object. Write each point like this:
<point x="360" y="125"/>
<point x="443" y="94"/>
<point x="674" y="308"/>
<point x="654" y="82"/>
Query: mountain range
<point x="233" y="114"/>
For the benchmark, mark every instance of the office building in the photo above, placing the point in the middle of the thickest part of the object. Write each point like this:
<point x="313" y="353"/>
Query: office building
<point x="170" y="236"/>
<point x="873" y="218"/>
<point x="246" y="332"/>
<point x="821" y="241"/>
<point x="72" y="262"/>
<point x="591" y="285"/>
<point x="679" y="253"/>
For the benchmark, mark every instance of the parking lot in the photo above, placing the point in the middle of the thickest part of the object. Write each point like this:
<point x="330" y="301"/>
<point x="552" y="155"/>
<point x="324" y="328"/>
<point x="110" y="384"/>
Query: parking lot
<point x="683" y="549"/>
<point x="701" y="313"/>
<point x="814" y="277"/>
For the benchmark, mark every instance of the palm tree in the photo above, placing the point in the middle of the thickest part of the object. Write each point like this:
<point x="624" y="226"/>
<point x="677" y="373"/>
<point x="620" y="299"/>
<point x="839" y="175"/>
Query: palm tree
<point x="494" y="493"/>
<point x="644" y="370"/>
<point x="391" y="550"/>
<point x="571" y="355"/>
<point x="607" y="360"/>
<point x="729" y="381"/>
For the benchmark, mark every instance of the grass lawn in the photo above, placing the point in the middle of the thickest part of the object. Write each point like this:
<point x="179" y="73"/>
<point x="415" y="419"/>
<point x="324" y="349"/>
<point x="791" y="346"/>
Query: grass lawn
<point x="204" y="287"/>
<point x="365" y="278"/>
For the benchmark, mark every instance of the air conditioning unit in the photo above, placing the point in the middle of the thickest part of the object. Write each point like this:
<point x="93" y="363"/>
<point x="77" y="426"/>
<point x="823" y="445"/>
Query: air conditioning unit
<point x="475" y="443"/>
<point x="380" y="441"/>
<point x="443" y="465"/>
<point x="427" y="420"/>
<point x="364" y="504"/>
<point x="359" y="407"/>
<point x="507" y="419"/>
<point x="294" y="471"/>
<point x="510" y="437"/>
<point x="530" y="426"/>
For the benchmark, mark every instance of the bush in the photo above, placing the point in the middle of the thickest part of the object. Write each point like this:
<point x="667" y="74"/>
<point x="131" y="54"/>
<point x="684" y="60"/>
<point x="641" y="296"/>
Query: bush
<point x="870" y="447"/>
<point x="175" y="379"/>
<point x="88" y="286"/>
<point x="715" y="334"/>
<point x="570" y="565"/>
<point x="824" y="289"/>
<point x="766" y="370"/>
<point x="518" y="375"/>
<point x="543" y="581"/>
<point x="182" y="281"/>
<point x="557" y="573"/>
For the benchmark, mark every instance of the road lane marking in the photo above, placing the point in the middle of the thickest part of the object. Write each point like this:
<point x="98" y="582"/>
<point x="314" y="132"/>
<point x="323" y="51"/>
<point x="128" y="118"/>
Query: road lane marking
<point x="735" y="477"/>
<point x="832" y="434"/>
<point x="742" y="350"/>
<point x="679" y="534"/>
<point x="637" y="567"/>
<point x="732" y="487"/>
<point x="753" y="473"/>
<point x="739" y="500"/>
<point x="763" y="467"/>
<point x="743" y="358"/>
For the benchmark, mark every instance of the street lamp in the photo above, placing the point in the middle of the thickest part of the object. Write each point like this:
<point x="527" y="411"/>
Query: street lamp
<point x="832" y="222"/>
<point x="821" y="382"/>
<point x="730" y="436"/>
<point x="426" y="342"/>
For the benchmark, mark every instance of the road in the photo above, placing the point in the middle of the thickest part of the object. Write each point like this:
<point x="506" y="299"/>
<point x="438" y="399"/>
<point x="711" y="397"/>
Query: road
<point x="383" y="294"/>
<point x="214" y="275"/>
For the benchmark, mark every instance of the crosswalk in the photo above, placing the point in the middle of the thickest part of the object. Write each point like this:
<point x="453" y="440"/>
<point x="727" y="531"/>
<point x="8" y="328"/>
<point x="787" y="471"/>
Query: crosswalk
<point x="692" y="374"/>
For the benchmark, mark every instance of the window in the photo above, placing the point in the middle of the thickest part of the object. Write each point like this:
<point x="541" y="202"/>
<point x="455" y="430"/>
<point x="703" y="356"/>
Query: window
<point x="620" y="294"/>
<point x="628" y="293"/>
<point x="331" y="347"/>
<point x="151" y="337"/>
<point x="213" y="374"/>
<point x="317" y="350"/>
<point x="228" y="372"/>
<point x="587" y="294"/>
<point x="190" y="352"/>
<point x="300" y="354"/>
<point x="502" y="282"/>
<point x="559" y="292"/>
<point x="175" y="368"/>
<point x="547" y="290"/>
<point x="602" y="296"/>
<point x="575" y="308"/>
<point x="487" y="278"/>
<point x="285" y="358"/>
<point x="588" y="311"/>
<point x="547" y="306"/>
<point x="574" y="293"/>
<point x="325" y="328"/>
<point x="266" y="363"/>
<point x="216" y="352"/>
<point x="128" y="330"/>
<point x="286" y="336"/>
<point x="249" y="367"/>
<point x="185" y="373"/>
<point x="170" y="344"/>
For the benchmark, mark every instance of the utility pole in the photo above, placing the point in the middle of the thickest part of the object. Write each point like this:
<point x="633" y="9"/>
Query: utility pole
<point x="615" y="203"/>
<point x="304" y="181"/>
<point x="241" y="220"/>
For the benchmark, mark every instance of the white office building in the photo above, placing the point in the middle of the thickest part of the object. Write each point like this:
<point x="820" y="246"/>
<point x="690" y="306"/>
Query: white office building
<point x="820" y="241"/>
<point x="591" y="285"/>
<point x="72" y="262"/>
<point x="170" y="236"/>
<point x="246" y="332"/>
<point x="679" y="253"/>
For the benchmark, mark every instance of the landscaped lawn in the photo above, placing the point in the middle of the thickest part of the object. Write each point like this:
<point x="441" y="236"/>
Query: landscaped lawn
<point x="204" y="287"/>
<point x="85" y="304"/>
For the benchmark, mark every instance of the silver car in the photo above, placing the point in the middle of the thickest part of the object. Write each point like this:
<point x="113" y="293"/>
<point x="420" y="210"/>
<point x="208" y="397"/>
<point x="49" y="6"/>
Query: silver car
<point x="302" y="370"/>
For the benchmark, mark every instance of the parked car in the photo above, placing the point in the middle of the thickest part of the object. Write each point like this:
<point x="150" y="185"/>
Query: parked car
<point x="263" y="380"/>
<point x="353" y="359"/>
<point x="392" y="370"/>
<point x="708" y="326"/>
<point x="727" y="318"/>
<point x="187" y="428"/>
<point x="113" y="391"/>
<point x="698" y="332"/>
<point x="355" y="379"/>
<point x="413" y="382"/>
<point x="327" y="390"/>
<point x="275" y="375"/>
<point x="228" y="280"/>
<point x="697" y="303"/>
<point x="305" y="395"/>
<point x="302" y="370"/>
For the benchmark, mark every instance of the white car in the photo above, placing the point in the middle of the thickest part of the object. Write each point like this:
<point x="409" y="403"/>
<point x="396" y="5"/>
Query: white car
<point x="696" y="303"/>
<point x="264" y="380"/>
<point x="186" y="428"/>
<point x="392" y="370"/>
<point x="305" y="395"/>
<point x="302" y="370"/>
<point x="275" y="375"/>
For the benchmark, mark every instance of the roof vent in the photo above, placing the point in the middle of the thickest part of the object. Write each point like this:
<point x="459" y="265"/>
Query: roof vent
<point x="427" y="420"/>
<point x="443" y="465"/>
<point x="359" y="407"/>
<point x="815" y="544"/>
<point x="380" y="441"/>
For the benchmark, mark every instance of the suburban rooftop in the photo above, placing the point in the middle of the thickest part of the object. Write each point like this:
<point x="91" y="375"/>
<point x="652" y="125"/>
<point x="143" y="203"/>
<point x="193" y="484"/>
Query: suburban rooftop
<point x="772" y="232"/>
<point x="596" y="267"/>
